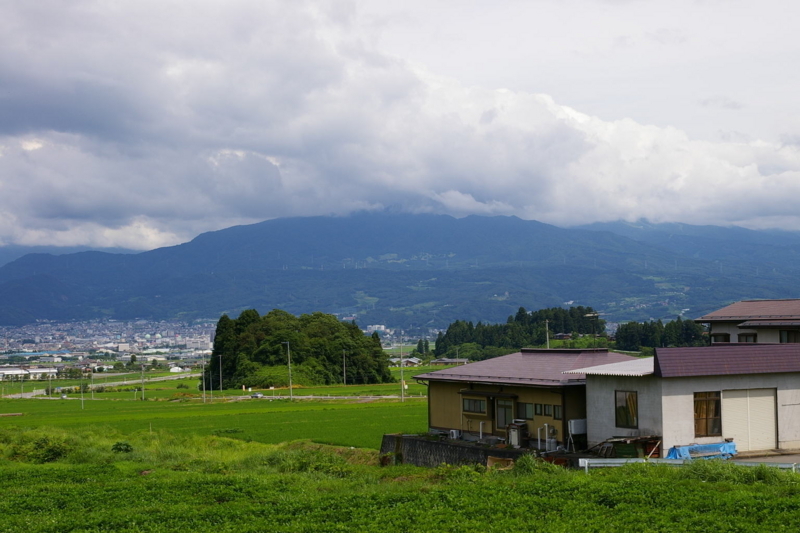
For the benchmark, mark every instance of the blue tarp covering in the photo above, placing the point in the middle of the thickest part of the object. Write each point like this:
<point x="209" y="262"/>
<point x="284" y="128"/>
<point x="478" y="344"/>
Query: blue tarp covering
<point x="720" y="450"/>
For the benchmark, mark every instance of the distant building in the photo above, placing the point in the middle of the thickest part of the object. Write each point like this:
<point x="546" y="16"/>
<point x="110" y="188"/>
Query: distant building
<point x="444" y="361"/>
<point x="762" y="321"/>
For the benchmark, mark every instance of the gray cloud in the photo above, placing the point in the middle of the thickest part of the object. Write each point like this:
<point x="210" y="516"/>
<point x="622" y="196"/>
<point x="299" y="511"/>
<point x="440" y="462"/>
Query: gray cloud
<point x="144" y="123"/>
<point x="721" y="102"/>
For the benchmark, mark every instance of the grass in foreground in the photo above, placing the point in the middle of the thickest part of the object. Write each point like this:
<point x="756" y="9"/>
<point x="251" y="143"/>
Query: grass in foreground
<point x="56" y="480"/>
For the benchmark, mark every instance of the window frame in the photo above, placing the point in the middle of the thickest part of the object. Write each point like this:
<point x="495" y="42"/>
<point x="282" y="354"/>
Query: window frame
<point x="508" y="405"/>
<point x="708" y="403"/>
<point x="527" y="409"/>
<point x="548" y="409"/>
<point x="786" y="334"/>
<point x="631" y="419"/>
<point x="479" y="401"/>
<point x="720" y="337"/>
<point x="538" y="409"/>
<point x="743" y="338"/>
<point x="557" y="412"/>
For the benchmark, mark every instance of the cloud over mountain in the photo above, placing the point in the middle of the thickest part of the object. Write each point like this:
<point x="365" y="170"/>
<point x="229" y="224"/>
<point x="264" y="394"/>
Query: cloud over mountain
<point x="141" y="124"/>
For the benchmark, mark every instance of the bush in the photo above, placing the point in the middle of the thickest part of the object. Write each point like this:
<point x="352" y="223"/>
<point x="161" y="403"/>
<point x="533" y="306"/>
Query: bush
<point x="122" y="447"/>
<point x="39" y="449"/>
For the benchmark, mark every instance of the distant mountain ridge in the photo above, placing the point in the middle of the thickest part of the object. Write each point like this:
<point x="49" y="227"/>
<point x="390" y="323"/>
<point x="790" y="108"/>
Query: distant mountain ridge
<point x="409" y="271"/>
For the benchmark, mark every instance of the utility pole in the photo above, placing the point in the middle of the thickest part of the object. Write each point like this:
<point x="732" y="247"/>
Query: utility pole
<point x="289" y="355"/>
<point x="344" y="369"/>
<point x="91" y="387"/>
<point x="204" y="378"/>
<point x="402" y="381"/>
<point x="547" y="331"/>
<point x="142" y="381"/>
<point x="220" y="374"/>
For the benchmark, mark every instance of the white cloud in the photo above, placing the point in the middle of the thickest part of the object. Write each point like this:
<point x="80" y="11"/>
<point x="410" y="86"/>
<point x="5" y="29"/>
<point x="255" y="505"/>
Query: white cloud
<point x="191" y="118"/>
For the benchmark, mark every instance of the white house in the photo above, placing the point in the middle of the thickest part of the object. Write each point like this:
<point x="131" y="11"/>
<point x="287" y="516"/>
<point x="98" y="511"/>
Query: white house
<point x="749" y="393"/>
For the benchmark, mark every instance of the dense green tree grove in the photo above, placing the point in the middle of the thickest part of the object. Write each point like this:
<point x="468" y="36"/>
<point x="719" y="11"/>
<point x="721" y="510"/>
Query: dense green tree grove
<point x="635" y="335"/>
<point x="525" y="328"/>
<point x="251" y="348"/>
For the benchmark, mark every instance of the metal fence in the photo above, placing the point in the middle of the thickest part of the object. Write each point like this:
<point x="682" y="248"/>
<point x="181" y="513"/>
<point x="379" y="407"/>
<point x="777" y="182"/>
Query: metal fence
<point x="586" y="464"/>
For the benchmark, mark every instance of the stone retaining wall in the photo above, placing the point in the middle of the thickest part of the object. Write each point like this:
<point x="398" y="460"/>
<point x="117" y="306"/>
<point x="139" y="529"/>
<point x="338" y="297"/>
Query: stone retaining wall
<point x="423" y="451"/>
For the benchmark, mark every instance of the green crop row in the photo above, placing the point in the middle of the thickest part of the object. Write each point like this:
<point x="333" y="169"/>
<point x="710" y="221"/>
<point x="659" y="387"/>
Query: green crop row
<point x="98" y="479"/>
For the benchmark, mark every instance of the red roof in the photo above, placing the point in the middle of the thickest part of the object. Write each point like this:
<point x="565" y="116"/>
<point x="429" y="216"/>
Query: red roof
<point x="755" y="310"/>
<point x="531" y="366"/>
<point x="727" y="359"/>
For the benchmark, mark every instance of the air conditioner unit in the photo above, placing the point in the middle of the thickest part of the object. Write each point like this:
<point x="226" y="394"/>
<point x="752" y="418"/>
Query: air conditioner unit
<point x="455" y="433"/>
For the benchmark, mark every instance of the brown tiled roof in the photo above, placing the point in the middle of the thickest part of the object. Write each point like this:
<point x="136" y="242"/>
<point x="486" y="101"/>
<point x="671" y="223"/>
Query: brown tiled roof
<point x="727" y="359"/>
<point x="534" y="367"/>
<point x="770" y="324"/>
<point x="755" y="310"/>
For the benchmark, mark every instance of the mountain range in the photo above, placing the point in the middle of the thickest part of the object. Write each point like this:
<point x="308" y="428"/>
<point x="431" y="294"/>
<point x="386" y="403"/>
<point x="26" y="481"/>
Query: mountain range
<point x="411" y="271"/>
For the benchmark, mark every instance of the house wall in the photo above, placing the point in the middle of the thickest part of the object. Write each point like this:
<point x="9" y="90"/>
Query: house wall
<point x="763" y="335"/>
<point x="678" y="405"/>
<point x="445" y="407"/>
<point x="600" y="407"/>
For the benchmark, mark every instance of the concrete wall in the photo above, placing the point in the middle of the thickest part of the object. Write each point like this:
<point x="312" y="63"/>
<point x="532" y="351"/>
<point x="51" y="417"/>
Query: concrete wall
<point x="678" y="409"/>
<point x="422" y="451"/>
<point x="600" y="406"/>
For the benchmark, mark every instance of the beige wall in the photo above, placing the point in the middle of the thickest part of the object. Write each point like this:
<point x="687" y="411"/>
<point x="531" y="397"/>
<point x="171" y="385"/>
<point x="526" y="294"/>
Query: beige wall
<point x="445" y="407"/>
<point x="666" y="406"/>
<point x="679" y="405"/>
<point x="762" y="334"/>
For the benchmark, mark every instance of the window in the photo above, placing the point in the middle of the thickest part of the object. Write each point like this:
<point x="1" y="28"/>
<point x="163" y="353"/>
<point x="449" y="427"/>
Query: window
<point x="790" y="336"/>
<point x="720" y="337"/>
<point x="503" y="413"/>
<point x="548" y="410"/>
<point x="474" y="406"/>
<point x="707" y="414"/>
<point x="747" y="337"/>
<point x="626" y="409"/>
<point x="525" y="410"/>
<point x="538" y="409"/>
<point x="557" y="412"/>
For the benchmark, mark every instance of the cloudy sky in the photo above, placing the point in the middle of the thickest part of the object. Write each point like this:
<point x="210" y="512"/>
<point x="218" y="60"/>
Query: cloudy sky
<point x="143" y="123"/>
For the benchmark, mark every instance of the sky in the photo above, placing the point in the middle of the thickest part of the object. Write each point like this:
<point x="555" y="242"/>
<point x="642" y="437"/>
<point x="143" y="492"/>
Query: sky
<point x="140" y="124"/>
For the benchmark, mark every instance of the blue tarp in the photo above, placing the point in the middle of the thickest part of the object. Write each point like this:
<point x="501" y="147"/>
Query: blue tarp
<point x="720" y="450"/>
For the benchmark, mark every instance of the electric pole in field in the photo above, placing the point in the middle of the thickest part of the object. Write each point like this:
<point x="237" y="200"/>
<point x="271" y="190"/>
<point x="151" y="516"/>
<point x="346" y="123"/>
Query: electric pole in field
<point x="289" y="356"/>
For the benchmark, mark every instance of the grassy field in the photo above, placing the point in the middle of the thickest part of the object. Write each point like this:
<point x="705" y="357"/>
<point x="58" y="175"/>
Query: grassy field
<point x="255" y="465"/>
<point x="346" y="423"/>
<point x="97" y="479"/>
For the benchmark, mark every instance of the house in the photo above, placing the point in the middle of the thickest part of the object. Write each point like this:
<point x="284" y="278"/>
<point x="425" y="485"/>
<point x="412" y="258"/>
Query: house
<point x="699" y="395"/>
<point x="407" y="361"/>
<point x="484" y="397"/>
<point x="775" y="321"/>
<point x="449" y="361"/>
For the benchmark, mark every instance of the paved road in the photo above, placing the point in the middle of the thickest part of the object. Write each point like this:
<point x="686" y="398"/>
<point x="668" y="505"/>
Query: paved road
<point x="788" y="458"/>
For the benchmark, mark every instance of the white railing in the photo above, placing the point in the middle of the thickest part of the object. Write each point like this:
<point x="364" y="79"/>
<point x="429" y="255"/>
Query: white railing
<point x="586" y="464"/>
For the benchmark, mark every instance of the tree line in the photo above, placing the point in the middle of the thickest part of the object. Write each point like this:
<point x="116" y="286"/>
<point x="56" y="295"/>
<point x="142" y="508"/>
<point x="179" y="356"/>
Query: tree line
<point x="634" y="336"/>
<point x="252" y="351"/>
<point x="525" y="328"/>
